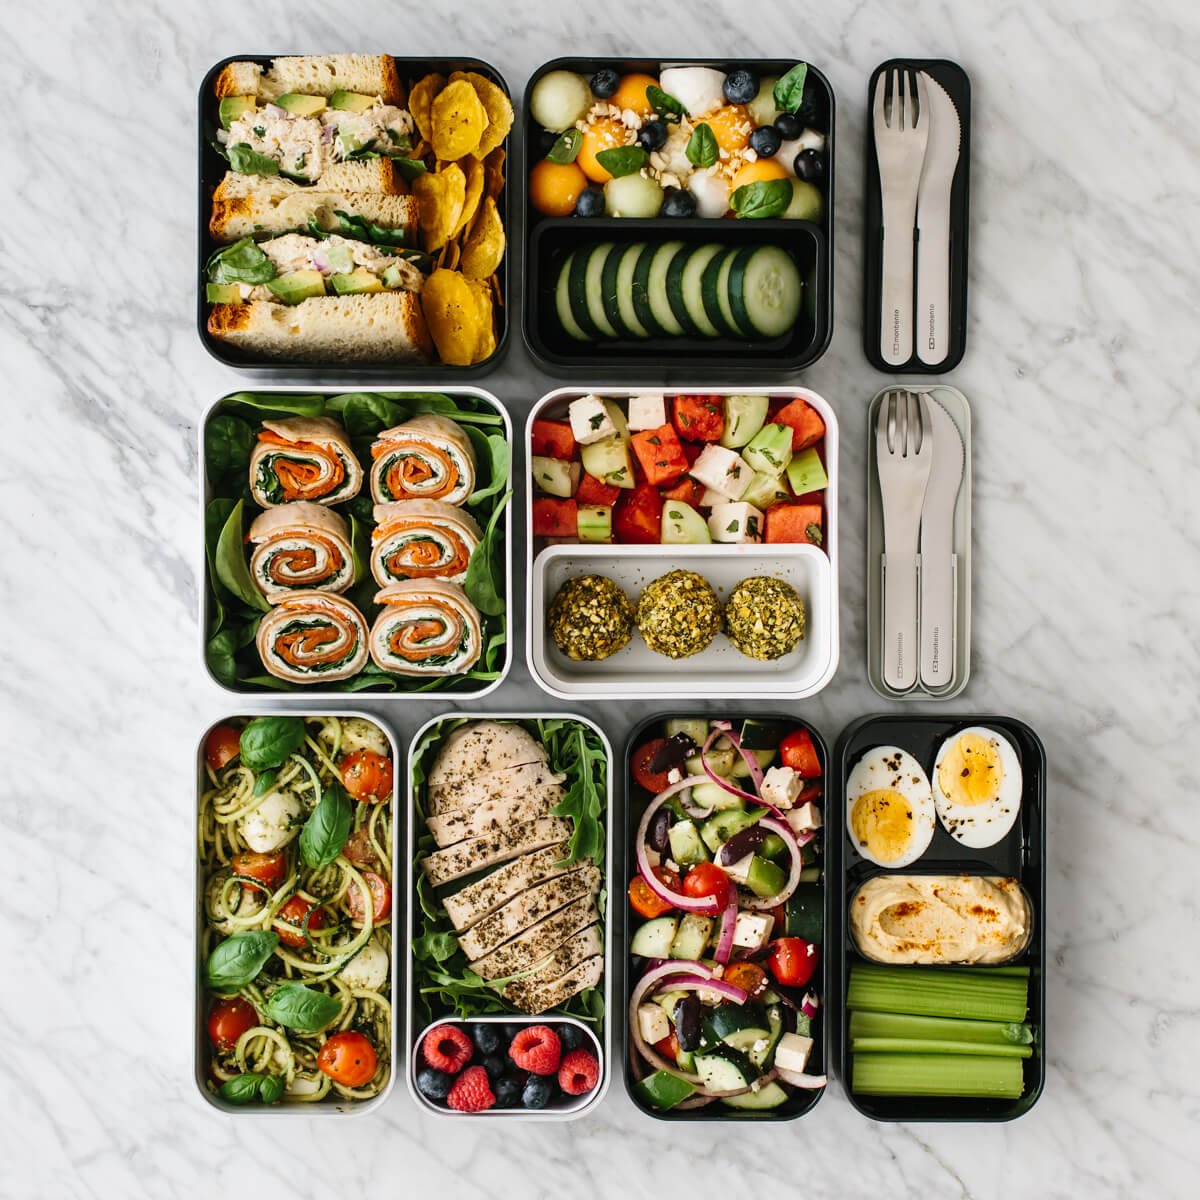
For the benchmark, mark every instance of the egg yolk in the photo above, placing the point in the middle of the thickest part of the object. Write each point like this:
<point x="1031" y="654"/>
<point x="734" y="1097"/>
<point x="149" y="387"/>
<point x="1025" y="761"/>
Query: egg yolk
<point x="632" y="94"/>
<point x="731" y="126"/>
<point x="554" y="187"/>
<point x="756" y="172"/>
<point x="971" y="771"/>
<point x="882" y="821"/>
<point x="601" y="135"/>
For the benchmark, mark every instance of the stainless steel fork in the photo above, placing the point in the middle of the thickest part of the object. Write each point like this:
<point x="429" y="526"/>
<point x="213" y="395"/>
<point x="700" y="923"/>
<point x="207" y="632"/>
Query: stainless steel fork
<point x="903" y="455"/>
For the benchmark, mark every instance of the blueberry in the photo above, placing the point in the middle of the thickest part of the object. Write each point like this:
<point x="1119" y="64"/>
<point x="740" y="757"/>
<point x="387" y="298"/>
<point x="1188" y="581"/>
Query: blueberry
<point x="546" y="140"/>
<point x="809" y="112"/>
<point x="571" y="1037"/>
<point x="495" y="1066"/>
<point x="539" y="1090"/>
<point x="789" y="126"/>
<point x="809" y="165"/>
<point x="652" y="135"/>
<point x="509" y="1032"/>
<point x="604" y="83"/>
<point x="740" y="87"/>
<point x="487" y="1038"/>
<point x="678" y="202"/>
<point x="434" y="1085"/>
<point x="508" y="1091"/>
<point x="765" y="141"/>
<point x="590" y="203"/>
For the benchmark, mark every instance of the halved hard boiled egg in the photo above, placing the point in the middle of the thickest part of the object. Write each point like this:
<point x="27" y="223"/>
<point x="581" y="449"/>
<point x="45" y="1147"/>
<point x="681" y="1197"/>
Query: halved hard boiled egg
<point x="889" y="807"/>
<point x="977" y="786"/>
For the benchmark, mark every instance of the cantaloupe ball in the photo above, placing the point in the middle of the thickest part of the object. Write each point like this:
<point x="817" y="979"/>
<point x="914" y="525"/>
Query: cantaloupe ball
<point x="604" y="134"/>
<point x="554" y="187"/>
<point x="632" y="94"/>
<point x="731" y="126"/>
<point x="756" y="172"/>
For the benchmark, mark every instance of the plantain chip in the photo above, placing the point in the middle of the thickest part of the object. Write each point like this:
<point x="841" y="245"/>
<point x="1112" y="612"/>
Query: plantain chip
<point x="440" y="197"/>
<point x="454" y="315"/>
<point x="458" y="120"/>
<point x="499" y="109"/>
<point x="452" y="255"/>
<point x="474" y="171"/>
<point x="485" y="343"/>
<point x="484" y="245"/>
<point x="420" y="102"/>
<point x="493" y="169"/>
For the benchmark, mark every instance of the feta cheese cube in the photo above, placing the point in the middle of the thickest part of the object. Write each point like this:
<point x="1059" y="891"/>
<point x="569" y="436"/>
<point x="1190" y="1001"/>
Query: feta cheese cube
<point x="590" y="421"/>
<point x="723" y="470"/>
<point x="804" y="818"/>
<point x="739" y="871"/>
<point x="653" y="858"/>
<point x="792" y="1052"/>
<point x="781" y="786"/>
<point x="653" y="1023"/>
<point x="647" y="412"/>
<point x="752" y="930"/>
<point x="735" y="521"/>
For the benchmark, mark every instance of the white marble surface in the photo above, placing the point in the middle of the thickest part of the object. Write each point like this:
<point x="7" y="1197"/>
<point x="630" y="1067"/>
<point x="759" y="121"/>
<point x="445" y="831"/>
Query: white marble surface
<point x="1081" y="369"/>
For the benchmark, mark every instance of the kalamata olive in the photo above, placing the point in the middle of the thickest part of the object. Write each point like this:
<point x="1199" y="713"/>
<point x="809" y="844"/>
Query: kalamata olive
<point x="687" y="1021"/>
<point x="745" y="841"/>
<point x="674" y="752"/>
<point x="657" y="835"/>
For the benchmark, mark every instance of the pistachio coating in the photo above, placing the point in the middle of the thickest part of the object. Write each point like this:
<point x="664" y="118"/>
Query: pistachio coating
<point x="679" y="614"/>
<point x="590" y="618"/>
<point x="764" y="617"/>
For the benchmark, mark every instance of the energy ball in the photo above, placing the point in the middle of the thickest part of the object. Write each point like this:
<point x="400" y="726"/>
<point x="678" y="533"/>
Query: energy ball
<point x="679" y="614"/>
<point x="764" y="618"/>
<point x="590" y="618"/>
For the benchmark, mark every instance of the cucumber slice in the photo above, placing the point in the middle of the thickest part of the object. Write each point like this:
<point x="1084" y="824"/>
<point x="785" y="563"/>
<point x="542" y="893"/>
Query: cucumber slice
<point x="769" y="1096"/>
<point x="654" y="938"/>
<point x="763" y="1056"/>
<point x="608" y="291"/>
<point x="577" y="290"/>
<point x="674" y="284"/>
<point x="764" y="758"/>
<point x="626" y="263"/>
<point x="723" y="302"/>
<point x="713" y="795"/>
<point x="764" y="291"/>
<point x="562" y="302"/>
<point x="656" y="287"/>
<point x="695" y="727"/>
<point x="761" y="735"/>
<point x="640" y="289"/>
<point x="692" y="290"/>
<point x="690" y="938"/>
<point x="710" y="293"/>
<point x="682" y="525"/>
<point x="720" y="762"/>
<point x="594" y="289"/>
<point x="728" y="1019"/>
<point x="721" y="826"/>
<point x="724" y="1070"/>
<point x="744" y="417"/>
<point x="804" y="912"/>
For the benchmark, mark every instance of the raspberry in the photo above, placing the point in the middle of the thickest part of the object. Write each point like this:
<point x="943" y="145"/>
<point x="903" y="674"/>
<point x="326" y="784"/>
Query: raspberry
<point x="537" y="1050"/>
<point x="471" y="1091"/>
<point x="578" y="1073"/>
<point x="447" y="1048"/>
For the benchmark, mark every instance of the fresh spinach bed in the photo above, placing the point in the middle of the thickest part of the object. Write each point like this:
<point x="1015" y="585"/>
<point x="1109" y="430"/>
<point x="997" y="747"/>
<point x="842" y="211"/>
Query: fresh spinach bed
<point x="235" y="605"/>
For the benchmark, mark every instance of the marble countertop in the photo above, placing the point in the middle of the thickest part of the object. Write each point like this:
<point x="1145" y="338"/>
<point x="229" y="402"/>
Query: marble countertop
<point x="1082" y="354"/>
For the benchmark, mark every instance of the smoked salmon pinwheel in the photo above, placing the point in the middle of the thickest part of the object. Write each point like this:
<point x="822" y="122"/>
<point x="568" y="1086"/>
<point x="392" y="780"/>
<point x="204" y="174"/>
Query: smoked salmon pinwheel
<point x="300" y="547"/>
<point x="303" y="458"/>
<point x="421" y="539"/>
<point x="427" y="627"/>
<point x="313" y="637"/>
<point x="427" y="458"/>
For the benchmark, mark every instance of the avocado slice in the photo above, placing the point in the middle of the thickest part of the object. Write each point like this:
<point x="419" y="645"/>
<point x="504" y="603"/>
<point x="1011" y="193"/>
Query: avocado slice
<point x="232" y="107"/>
<point x="356" y="282"/>
<point x="222" y="293"/>
<point x="302" y="106"/>
<point x="297" y="285"/>
<point x="356" y="102"/>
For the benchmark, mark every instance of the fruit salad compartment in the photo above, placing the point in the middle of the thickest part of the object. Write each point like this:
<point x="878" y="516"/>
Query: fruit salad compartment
<point x="1019" y="855"/>
<point x="798" y="991"/>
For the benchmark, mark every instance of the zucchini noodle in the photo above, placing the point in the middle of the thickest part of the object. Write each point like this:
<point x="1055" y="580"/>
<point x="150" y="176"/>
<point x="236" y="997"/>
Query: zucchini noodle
<point x="234" y="901"/>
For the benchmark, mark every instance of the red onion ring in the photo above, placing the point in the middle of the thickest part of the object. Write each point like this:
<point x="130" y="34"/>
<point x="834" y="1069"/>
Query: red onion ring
<point x="797" y="1079"/>
<point x="696" y="904"/>
<point x="691" y="970"/>
<point x="719" y="780"/>
<point x="808" y="1006"/>
<point x="751" y="762"/>
<point x="728" y="924"/>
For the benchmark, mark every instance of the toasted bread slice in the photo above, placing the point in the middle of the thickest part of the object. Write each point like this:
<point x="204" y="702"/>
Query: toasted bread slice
<point x="314" y="75"/>
<point x="244" y="205"/>
<point x="376" y="327"/>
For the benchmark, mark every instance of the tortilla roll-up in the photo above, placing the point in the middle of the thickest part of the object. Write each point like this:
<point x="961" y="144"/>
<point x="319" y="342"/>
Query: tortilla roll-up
<point x="427" y="627"/>
<point x="313" y="637"/>
<point x="303" y="458"/>
<point x="422" y="539"/>
<point x="427" y="458"/>
<point x="300" y="547"/>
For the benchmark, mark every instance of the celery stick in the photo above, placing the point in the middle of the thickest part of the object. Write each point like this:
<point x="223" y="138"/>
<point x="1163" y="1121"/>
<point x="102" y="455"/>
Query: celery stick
<point x="924" y="1046"/>
<point x="934" y="993"/>
<point x="903" y="1025"/>
<point x="936" y="1075"/>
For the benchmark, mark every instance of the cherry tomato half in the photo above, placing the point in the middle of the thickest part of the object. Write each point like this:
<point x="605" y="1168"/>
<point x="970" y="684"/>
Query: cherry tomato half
<point x="798" y="752"/>
<point x="228" y="1019"/>
<point x="750" y="977"/>
<point x="793" y="961"/>
<point x="643" y="756"/>
<point x="358" y="848"/>
<point x="381" y="893"/>
<point x="268" y="869"/>
<point x="367" y="776"/>
<point x="707" y="879"/>
<point x="645" y="901"/>
<point x="290" y="920"/>
<point x="348" y="1058"/>
<point x="223" y="745"/>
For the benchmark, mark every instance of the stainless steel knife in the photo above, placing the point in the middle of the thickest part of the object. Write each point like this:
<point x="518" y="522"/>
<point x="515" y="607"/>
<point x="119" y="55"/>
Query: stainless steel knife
<point x="938" y="565"/>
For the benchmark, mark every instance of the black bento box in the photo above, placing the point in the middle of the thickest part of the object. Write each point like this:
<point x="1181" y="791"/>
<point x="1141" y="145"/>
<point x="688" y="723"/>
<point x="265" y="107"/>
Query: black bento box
<point x="550" y="239"/>
<point x="634" y="800"/>
<point x="1020" y="854"/>
<point x="211" y="169"/>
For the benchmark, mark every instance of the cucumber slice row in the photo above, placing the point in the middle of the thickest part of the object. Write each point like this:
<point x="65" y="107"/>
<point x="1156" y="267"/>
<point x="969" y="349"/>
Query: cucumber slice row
<point x="673" y="289"/>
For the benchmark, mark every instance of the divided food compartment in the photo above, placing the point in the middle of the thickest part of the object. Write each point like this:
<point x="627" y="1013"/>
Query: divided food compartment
<point x="211" y="169"/>
<point x="958" y="87"/>
<point x="1021" y="855"/>
<point x="551" y="239"/>
<point x="959" y="411"/>
<point x="201" y="999"/>
<point x="417" y="1022"/>
<point x="636" y="799"/>
<point x="287" y="394"/>
<point x="636" y="671"/>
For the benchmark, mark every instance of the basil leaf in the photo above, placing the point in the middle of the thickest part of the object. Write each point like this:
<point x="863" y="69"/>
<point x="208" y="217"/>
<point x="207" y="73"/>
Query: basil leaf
<point x="788" y="92"/>
<point x="243" y="262"/>
<point x="228" y="443"/>
<point x="247" y="161"/>
<point x="242" y="1089"/>
<point x="268" y="742"/>
<point x="663" y="103"/>
<point x="566" y="146"/>
<point x="298" y="1007"/>
<point x="265" y="782"/>
<point x="270" y="1091"/>
<point x="220" y="655"/>
<point x="702" y="147"/>
<point x="623" y="160"/>
<point x="764" y="198"/>
<point x="484" y="584"/>
<point x="229" y="561"/>
<point x="327" y="828"/>
<point x="234" y="962"/>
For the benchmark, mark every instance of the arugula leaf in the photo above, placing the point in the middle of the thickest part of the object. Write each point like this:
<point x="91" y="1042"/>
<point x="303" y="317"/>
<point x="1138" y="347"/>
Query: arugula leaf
<point x="623" y="160"/>
<point x="484" y="582"/>
<point x="566" y="146"/>
<point x="247" y="161"/>
<point x="702" y="147"/>
<point x="788" y="92"/>
<point x="578" y="752"/>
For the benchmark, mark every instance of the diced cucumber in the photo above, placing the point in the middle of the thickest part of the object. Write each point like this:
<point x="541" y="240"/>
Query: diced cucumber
<point x="624" y="290"/>
<point x="682" y="525"/>
<point x="674" y="290"/>
<point x="685" y="1060"/>
<point x="744" y="417"/>
<point x="667" y="1001"/>
<point x="721" y="826"/>
<point x="724" y="1070"/>
<point x="810" y="874"/>
<point x="691" y="937"/>
<point x="728" y="1021"/>
<point x="713" y="795"/>
<point x="562" y="302"/>
<point x="764" y="291"/>
<point x="555" y="476"/>
<point x="721" y="762"/>
<point x="770" y="450"/>
<point x="616" y="414"/>
<point x="654" y="938"/>
<point x="686" y="847"/>
<point x="769" y="1096"/>
<point x="711" y="292"/>
<point x="663" y="1090"/>
<point x="577" y="289"/>
<point x="656" y="287"/>
<point x="595" y="523"/>
<point x="806" y="473"/>
<point x="804" y="912"/>
<point x="761" y="735"/>
<point x="762" y="1056"/>
<point x="608" y="460"/>
<point x="592" y="282"/>
<point x="695" y="727"/>
<point x="692" y="289"/>
<point x="640" y="289"/>
<point x="764" y="758"/>
<point x="765" y="489"/>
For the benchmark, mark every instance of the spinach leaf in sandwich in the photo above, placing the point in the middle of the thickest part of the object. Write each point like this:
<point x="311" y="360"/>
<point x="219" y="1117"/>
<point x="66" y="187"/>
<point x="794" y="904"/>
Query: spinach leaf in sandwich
<point x="243" y="262"/>
<point x="247" y="161"/>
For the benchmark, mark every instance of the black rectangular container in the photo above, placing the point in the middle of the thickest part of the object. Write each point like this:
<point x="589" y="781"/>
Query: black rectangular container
<point x="958" y="87"/>
<point x="1021" y="854"/>
<point x="549" y="239"/>
<point x="211" y="169"/>
<point x="635" y="799"/>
